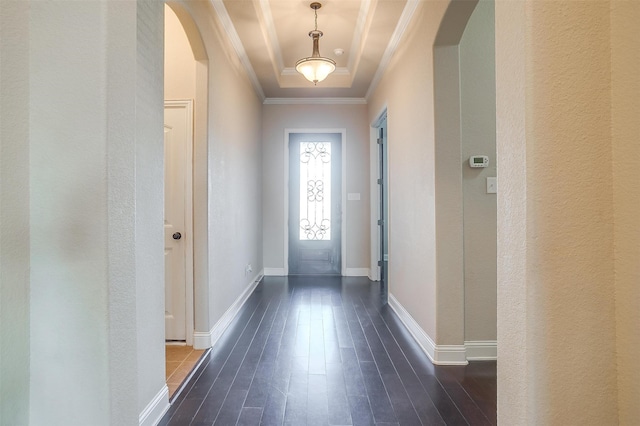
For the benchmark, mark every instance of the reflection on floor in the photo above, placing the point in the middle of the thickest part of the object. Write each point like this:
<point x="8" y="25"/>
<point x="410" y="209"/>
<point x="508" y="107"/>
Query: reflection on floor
<point x="308" y="351"/>
<point x="180" y="360"/>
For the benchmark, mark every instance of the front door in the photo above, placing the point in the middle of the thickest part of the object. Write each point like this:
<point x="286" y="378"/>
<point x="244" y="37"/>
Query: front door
<point x="177" y="141"/>
<point x="315" y="195"/>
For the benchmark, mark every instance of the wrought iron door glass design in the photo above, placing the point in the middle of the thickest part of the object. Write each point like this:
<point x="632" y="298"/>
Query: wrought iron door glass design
<point x="315" y="191"/>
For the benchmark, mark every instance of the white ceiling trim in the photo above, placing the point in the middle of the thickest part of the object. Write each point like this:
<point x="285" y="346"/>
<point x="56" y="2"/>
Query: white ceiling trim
<point x="315" y="101"/>
<point x="271" y="37"/>
<point x="403" y="24"/>
<point x="357" y="42"/>
<point x="234" y="38"/>
<point x="271" y="34"/>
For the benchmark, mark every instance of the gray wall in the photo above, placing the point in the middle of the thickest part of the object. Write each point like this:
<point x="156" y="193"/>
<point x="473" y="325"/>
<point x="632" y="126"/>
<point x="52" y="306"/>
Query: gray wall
<point x="407" y="91"/>
<point x="14" y="213"/>
<point x="81" y="196"/>
<point x="276" y="118"/>
<point x="235" y="171"/>
<point x="442" y="223"/>
<point x="90" y="232"/>
<point x="234" y="164"/>
<point x="478" y="137"/>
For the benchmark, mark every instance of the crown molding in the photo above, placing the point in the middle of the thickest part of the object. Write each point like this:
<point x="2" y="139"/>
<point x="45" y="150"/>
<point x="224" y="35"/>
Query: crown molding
<point x="271" y="36"/>
<point x="315" y="101"/>
<point x="357" y="42"/>
<point x="401" y="28"/>
<point x="276" y="55"/>
<point x="234" y="38"/>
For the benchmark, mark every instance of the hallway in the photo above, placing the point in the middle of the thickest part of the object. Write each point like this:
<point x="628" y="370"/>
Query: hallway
<point x="323" y="351"/>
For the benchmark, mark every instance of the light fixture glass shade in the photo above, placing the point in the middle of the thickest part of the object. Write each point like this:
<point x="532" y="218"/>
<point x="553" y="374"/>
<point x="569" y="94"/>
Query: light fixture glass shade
<point x="315" y="69"/>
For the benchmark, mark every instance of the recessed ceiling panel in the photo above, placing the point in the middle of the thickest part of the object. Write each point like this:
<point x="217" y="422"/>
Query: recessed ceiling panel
<point x="274" y="35"/>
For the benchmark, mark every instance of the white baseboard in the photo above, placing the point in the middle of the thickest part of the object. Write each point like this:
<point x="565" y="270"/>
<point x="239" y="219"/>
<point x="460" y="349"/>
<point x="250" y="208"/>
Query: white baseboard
<point x="201" y="339"/>
<point x="482" y="350"/>
<point x="357" y="272"/>
<point x="450" y="355"/>
<point x="153" y="412"/>
<point x="349" y="272"/>
<point x="274" y="272"/>
<point x="204" y="340"/>
<point x="438" y="354"/>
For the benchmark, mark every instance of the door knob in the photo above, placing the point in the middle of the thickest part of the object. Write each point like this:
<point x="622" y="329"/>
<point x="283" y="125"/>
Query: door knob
<point x="177" y="236"/>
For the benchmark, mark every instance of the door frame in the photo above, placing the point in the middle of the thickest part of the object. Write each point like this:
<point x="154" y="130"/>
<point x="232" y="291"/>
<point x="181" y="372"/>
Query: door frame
<point x="374" y="173"/>
<point x="343" y="210"/>
<point x="188" y="217"/>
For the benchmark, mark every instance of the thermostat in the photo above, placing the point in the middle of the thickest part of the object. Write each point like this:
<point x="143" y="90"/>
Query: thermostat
<point x="479" y="161"/>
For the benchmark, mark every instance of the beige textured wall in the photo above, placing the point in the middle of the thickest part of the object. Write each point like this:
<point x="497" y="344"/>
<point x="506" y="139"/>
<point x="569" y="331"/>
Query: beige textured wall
<point x="353" y="118"/>
<point x="571" y="215"/>
<point x="625" y="110"/>
<point x="556" y="315"/>
<point x="513" y="228"/>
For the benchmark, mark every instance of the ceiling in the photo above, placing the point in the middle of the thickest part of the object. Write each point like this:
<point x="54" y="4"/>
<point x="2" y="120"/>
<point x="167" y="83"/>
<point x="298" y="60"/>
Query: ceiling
<point x="271" y="35"/>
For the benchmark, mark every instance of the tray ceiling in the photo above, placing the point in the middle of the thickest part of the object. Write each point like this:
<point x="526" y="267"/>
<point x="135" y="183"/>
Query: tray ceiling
<point x="271" y="35"/>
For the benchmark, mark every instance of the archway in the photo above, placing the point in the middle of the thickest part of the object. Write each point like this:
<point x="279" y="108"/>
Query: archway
<point x="464" y="87"/>
<point x="186" y="81"/>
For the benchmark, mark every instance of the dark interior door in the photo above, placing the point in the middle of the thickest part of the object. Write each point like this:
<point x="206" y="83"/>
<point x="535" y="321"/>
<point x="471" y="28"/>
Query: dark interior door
<point x="315" y="185"/>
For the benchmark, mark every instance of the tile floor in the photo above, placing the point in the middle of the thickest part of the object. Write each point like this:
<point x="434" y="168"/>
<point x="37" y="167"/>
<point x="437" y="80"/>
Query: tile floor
<point x="180" y="360"/>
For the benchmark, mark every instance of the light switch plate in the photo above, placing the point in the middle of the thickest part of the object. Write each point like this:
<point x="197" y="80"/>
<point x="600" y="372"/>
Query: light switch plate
<point x="492" y="185"/>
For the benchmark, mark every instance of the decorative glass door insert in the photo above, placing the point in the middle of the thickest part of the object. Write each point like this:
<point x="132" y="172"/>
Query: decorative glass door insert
<point x="315" y="191"/>
<point x="315" y="183"/>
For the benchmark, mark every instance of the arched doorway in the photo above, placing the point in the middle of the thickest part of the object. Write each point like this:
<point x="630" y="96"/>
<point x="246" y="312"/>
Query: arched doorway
<point x="186" y="88"/>
<point x="464" y="100"/>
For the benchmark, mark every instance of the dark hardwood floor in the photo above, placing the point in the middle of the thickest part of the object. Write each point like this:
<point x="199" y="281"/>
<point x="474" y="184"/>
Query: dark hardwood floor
<point x="326" y="351"/>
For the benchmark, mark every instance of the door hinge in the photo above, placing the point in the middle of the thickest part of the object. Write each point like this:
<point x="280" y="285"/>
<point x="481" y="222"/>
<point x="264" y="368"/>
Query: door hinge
<point x="379" y="181"/>
<point x="380" y="222"/>
<point x="380" y="263"/>
<point x="379" y="140"/>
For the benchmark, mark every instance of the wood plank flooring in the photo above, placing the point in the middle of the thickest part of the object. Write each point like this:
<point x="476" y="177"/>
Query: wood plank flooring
<point x="327" y="351"/>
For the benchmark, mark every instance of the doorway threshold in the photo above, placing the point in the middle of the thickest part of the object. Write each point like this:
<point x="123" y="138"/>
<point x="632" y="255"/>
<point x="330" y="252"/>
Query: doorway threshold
<point x="181" y="362"/>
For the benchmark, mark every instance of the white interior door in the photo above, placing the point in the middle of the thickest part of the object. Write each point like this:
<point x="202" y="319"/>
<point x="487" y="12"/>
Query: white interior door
<point x="177" y="207"/>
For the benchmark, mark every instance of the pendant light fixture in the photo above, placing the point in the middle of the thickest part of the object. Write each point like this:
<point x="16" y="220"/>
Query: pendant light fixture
<point x="315" y="68"/>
